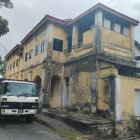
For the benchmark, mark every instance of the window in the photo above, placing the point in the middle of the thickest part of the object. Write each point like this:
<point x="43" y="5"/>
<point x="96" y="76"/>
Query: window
<point x="117" y="28"/>
<point x="58" y="45"/>
<point x="125" y="31"/>
<point x="69" y="39"/>
<point x="36" y="50"/>
<point x="42" y="46"/>
<point x="17" y="63"/>
<point x="107" y="23"/>
<point x="26" y="56"/>
<point x="10" y="66"/>
<point x="14" y="64"/>
<point x="30" y="54"/>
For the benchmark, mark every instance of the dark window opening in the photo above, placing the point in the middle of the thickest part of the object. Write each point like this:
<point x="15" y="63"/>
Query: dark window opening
<point x="26" y="56"/>
<point x="42" y="46"/>
<point x="14" y="64"/>
<point x="30" y="54"/>
<point x="10" y="66"/>
<point x="17" y="63"/>
<point x="58" y="45"/>
<point x="85" y="25"/>
<point x="36" y="50"/>
<point x="67" y="81"/>
<point x="128" y="72"/>
<point x="69" y="43"/>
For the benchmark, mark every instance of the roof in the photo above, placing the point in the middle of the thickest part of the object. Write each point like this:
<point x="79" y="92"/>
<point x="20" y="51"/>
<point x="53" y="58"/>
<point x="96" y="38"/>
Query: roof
<point x="119" y="62"/>
<point x="107" y="9"/>
<point x="46" y="18"/>
<point x="137" y="45"/>
<point x="14" y="50"/>
<point x="67" y="22"/>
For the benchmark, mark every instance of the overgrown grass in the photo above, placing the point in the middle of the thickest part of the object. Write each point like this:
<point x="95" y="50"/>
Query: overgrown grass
<point x="71" y="135"/>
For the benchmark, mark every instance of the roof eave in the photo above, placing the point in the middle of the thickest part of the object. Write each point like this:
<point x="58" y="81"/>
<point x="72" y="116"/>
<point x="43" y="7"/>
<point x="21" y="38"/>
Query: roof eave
<point x="103" y="7"/>
<point x="45" y="19"/>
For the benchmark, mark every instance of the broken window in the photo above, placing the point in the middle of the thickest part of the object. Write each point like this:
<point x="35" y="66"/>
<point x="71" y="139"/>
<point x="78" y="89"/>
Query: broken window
<point x="57" y="45"/>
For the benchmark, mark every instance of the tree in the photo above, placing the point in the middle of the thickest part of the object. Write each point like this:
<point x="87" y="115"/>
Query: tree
<point x="3" y="26"/>
<point x="6" y="3"/>
<point x="3" y="22"/>
<point x="1" y="66"/>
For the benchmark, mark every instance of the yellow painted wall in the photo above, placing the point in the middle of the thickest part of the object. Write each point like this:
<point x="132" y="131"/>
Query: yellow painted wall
<point x="116" y="43"/>
<point x="103" y="97"/>
<point x="89" y="36"/>
<point x="31" y="45"/>
<point x="59" y="33"/>
<point x="15" y="71"/>
<point x="82" y="88"/>
<point x="127" y="98"/>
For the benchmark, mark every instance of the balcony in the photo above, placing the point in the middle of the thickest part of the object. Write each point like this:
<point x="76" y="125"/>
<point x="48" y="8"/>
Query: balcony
<point x="116" y="44"/>
<point x="112" y="44"/>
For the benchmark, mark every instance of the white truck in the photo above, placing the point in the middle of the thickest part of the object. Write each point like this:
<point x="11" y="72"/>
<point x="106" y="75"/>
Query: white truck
<point x="18" y="98"/>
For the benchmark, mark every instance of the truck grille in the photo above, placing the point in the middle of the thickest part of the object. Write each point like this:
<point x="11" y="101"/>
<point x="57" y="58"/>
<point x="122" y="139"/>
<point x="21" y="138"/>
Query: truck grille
<point x="15" y="105"/>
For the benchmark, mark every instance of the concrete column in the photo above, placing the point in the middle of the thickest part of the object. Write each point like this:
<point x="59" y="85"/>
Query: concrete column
<point x="33" y="47"/>
<point x="70" y="90"/>
<point x="117" y="99"/>
<point x="43" y="86"/>
<point x="98" y="29"/>
<point x="49" y="37"/>
<point x="75" y="35"/>
<point x="132" y="38"/>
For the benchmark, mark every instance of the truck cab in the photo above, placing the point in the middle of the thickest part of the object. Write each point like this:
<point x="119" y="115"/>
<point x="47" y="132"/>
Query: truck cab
<point x="18" y="98"/>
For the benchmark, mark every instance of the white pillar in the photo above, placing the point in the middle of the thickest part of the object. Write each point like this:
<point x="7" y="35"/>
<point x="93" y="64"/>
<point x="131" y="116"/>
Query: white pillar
<point x="75" y="35"/>
<point x="117" y="98"/>
<point x="49" y="36"/>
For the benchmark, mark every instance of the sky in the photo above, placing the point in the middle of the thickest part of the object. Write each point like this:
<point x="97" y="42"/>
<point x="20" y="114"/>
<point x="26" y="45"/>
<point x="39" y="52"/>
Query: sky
<point x="26" y="14"/>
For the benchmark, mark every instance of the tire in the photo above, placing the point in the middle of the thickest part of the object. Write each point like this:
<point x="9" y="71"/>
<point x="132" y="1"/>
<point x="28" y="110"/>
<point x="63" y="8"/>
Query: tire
<point x="29" y="119"/>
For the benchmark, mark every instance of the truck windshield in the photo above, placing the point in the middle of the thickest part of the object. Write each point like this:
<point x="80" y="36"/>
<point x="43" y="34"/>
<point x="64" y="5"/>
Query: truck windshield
<point x="19" y="89"/>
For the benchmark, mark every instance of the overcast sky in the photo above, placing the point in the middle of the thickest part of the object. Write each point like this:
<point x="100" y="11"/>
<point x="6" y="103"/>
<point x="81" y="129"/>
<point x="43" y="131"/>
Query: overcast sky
<point x="27" y="13"/>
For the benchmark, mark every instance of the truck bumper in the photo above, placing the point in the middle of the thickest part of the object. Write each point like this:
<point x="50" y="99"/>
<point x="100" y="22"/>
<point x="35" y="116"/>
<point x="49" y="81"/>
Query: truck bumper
<point x="18" y="111"/>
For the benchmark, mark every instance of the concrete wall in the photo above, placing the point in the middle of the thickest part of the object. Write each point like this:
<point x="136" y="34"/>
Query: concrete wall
<point x="127" y="97"/>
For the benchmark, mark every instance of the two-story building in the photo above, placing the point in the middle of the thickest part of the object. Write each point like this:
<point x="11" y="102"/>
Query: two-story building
<point x="85" y="64"/>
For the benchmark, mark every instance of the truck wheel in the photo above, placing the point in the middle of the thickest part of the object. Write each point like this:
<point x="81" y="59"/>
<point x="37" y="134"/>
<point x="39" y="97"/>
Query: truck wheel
<point x="29" y="119"/>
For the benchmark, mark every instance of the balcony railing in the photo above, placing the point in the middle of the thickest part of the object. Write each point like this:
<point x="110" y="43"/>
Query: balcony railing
<point x="78" y="47"/>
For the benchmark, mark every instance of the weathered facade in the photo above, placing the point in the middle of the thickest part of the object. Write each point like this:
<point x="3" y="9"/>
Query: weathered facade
<point x="85" y="64"/>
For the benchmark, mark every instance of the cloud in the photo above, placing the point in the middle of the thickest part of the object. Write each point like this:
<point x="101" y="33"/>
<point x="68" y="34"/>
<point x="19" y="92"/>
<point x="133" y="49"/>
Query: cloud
<point x="25" y="15"/>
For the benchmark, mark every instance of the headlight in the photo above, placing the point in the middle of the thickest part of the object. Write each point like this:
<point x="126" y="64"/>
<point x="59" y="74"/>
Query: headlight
<point x="34" y="106"/>
<point x="36" y="100"/>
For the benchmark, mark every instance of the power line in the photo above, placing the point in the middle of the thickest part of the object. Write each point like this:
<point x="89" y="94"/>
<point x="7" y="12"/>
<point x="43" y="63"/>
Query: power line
<point x="109" y="2"/>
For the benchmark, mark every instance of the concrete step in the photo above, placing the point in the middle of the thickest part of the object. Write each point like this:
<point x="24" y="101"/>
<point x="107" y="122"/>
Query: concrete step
<point x="94" y="126"/>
